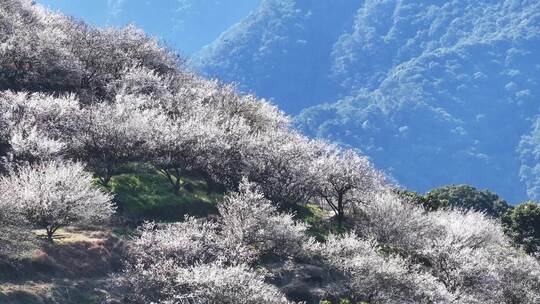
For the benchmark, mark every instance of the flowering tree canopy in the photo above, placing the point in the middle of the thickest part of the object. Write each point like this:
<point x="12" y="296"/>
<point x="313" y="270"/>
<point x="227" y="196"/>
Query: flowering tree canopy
<point x="55" y="194"/>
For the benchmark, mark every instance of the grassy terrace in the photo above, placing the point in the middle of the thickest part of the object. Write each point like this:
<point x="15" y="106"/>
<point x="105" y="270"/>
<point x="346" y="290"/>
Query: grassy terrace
<point x="142" y="192"/>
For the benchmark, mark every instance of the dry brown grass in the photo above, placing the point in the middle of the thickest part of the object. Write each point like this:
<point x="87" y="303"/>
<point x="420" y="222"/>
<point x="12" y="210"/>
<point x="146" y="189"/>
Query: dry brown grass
<point x="75" y="268"/>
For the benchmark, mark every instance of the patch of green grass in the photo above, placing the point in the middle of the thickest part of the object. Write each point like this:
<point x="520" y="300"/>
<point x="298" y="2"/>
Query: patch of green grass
<point x="147" y="194"/>
<point x="320" y="221"/>
<point x="63" y="237"/>
<point x="310" y="214"/>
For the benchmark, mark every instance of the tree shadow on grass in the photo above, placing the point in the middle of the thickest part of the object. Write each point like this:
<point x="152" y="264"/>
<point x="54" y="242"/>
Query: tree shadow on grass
<point x="147" y="195"/>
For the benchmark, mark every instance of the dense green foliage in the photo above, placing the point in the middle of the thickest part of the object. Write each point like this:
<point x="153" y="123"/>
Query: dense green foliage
<point x="458" y="196"/>
<point x="522" y="224"/>
<point x="466" y="197"/>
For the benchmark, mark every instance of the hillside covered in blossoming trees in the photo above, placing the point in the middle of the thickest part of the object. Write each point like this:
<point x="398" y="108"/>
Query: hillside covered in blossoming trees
<point x="126" y="178"/>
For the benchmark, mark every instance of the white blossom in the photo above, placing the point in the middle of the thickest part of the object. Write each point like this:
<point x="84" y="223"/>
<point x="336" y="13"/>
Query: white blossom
<point x="371" y="277"/>
<point x="208" y="260"/>
<point x="249" y="219"/>
<point x="344" y="177"/>
<point x="54" y="194"/>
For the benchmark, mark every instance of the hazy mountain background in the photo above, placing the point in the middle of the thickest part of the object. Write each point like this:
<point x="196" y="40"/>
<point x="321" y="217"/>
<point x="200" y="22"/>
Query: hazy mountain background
<point x="282" y="51"/>
<point x="436" y="92"/>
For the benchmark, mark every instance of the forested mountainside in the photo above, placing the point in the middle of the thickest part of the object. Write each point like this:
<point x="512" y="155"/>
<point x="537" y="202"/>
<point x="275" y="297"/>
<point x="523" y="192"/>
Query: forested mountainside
<point x="435" y="92"/>
<point x="99" y="125"/>
<point x="281" y="51"/>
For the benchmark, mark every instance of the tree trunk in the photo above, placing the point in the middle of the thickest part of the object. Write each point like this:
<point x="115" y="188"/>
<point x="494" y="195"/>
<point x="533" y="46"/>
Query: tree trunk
<point x="173" y="178"/>
<point x="340" y="211"/>
<point x="105" y="180"/>
<point x="50" y="235"/>
<point x="176" y="187"/>
<point x="50" y="231"/>
<point x="211" y="186"/>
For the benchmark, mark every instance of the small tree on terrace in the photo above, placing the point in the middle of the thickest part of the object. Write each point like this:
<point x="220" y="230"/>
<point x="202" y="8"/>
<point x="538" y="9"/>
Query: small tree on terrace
<point x="54" y="194"/>
<point x="279" y="162"/>
<point x="187" y="147"/>
<point x="343" y="176"/>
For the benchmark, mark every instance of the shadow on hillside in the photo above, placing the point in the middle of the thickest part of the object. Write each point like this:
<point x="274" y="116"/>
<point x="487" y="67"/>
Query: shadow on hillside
<point x="75" y="268"/>
<point x="90" y="291"/>
<point x="142" y="193"/>
<point x="74" y="254"/>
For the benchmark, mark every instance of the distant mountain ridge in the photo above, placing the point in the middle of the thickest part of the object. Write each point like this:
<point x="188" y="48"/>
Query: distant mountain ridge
<point x="281" y="51"/>
<point x="436" y="92"/>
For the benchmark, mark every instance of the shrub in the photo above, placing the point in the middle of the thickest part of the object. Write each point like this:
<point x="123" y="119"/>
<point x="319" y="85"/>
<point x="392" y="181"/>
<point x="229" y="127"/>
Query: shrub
<point x="249" y="219"/>
<point x="54" y="194"/>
